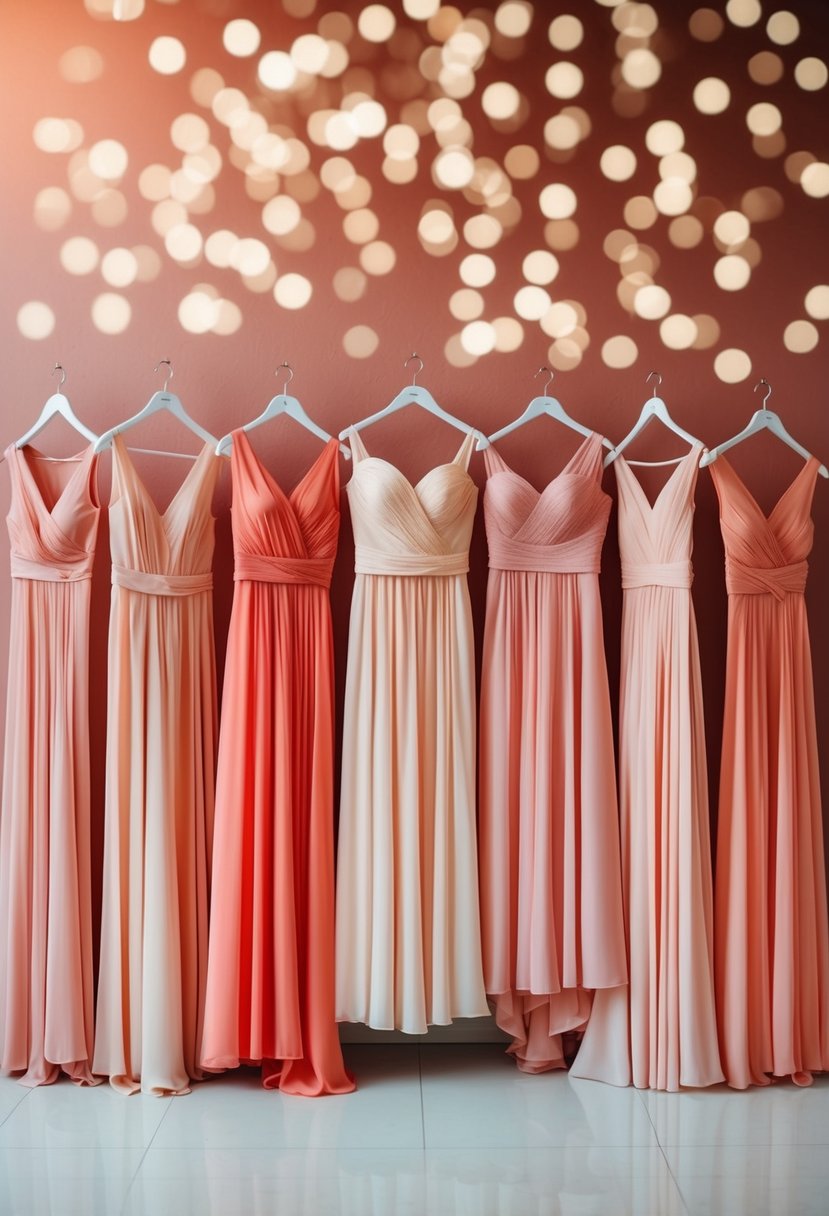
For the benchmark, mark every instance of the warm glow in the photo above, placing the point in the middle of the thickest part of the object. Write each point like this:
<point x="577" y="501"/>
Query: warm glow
<point x="564" y="80"/>
<point x="57" y="134"/>
<point x="731" y="228"/>
<point x="673" y="196"/>
<point x="281" y="215"/>
<point x="557" y="202"/>
<point x="108" y="160"/>
<point x="376" y="23"/>
<point x="618" y="163"/>
<point x="277" y="71"/>
<point x="513" y="18"/>
<point x="310" y="53"/>
<point x="360" y="342"/>
<point x="540" y="267"/>
<point x="763" y="119"/>
<point x="52" y="208"/>
<point x="198" y="312"/>
<point x="454" y="168"/>
<point x="800" y="337"/>
<point x="743" y="12"/>
<point x="531" y="303"/>
<point x="640" y="212"/>
<point x="817" y="302"/>
<point x="765" y="67"/>
<point x="190" y="133"/>
<point x="250" y="257"/>
<point x="35" y="320"/>
<point x="783" y="28"/>
<point x="292" y="291"/>
<point x="183" y="242"/>
<point x="811" y="74"/>
<point x="706" y="25"/>
<point x="500" y="100"/>
<point x="815" y="179"/>
<point x="466" y="304"/>
<point x="81" y="64"/>
<point x="641" y="69"/>
<point x="664" y="137"/>
<point x="478" y="338"/>
<point x="565" y="32"/>
<point x="420" y="10"/>
<point x="712" y="95"/>
<point x="732" y="365"/>
<point x="651" y="302"/>
<point x="119" y="267"/>
<point x="732" y="272"/>
<point x="619" y="352"/>
<point x="678" y="332"/>
<point x="241" y="37"/>
<point x="79" y="255"/>
<point x="167" y="56"/>
<point x="111" y="313"/>
<point x="477" y="270"/>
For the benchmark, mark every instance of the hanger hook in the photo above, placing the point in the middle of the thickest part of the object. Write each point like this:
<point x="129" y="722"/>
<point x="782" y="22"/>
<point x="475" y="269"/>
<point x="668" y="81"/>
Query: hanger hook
<point x="290" y="377"/>
<point x="169" y="375"/>
<point x="59" y="368"/>
<point x="760" y="384"/>
<point x="658" y="380"/>
<point x="550" y="377"/>
<point x="414" y="355"/>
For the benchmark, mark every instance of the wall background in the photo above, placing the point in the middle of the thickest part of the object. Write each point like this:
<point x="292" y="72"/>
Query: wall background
<point x="188" y="212"/>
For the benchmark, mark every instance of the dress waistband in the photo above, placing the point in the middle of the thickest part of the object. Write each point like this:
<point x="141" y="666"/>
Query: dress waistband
<point x="161" y="584"/>
<point x="569" y="557"/>
<point x="256" y="568"/>
<point x="657" y="574"/>
<point x="757" y="580"/>
<point x="44" y="572"/>
<point x="374" y="561"/>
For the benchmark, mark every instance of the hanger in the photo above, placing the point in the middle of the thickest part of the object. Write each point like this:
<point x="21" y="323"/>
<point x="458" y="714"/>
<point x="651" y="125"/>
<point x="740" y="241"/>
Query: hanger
<point x="763" y="420"/>
<point x="654" y="407"/>
<point x="545" y="405"/>
<point x="57" y="404"/>
<point x="416" y="394"/>
<point x="282" y="404"/>
<point x="159" y="401"/>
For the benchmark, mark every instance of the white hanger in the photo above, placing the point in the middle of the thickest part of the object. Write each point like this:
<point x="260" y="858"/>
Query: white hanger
<point x="57" y="404"/>
<point x="159" y="401"/>
<point x="416" y="394"/>
<point x="282" y="404"/>
<point x="545" y="405"/>
<point x="654" y="407"/>
<point x="763" y="420"/>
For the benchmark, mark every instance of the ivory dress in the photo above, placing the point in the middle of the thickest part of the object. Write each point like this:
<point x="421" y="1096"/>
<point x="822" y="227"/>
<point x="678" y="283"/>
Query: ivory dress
<point x="551" y="891"/>
<point x="159" y="781"/>
<point x="270" y="976"/>
<point x="772" y="940"/>
<point x="46" y="1002"/>
<point x="408" y="930"/>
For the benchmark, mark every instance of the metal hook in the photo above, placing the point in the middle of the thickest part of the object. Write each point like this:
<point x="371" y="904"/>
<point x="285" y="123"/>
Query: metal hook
<point x="169" y="376"/>
<point x="414" y="355"/>
<point x="658" y="379"/>
<point x="59" y="368"/>
<point x="551" y="375"/>
<point x="759" y="384"/>
<point x="290" y="370"/>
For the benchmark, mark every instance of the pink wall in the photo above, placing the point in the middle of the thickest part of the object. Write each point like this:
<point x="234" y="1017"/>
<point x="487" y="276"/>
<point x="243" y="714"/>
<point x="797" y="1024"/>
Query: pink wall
<point x="226" y="378"/>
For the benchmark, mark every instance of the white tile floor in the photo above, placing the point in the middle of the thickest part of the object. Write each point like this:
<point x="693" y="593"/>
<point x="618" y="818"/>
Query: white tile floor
<point x="432" y="1131"/>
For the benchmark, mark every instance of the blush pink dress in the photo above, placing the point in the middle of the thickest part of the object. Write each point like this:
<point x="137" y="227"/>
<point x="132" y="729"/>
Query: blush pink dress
<point x="46" y="1003"/>
<point x="551" y="893"/>
<point x="270" y="976"/>
<point x="408" y="930"/>
<point x="660" y="1032"/>
<point x="161" y="729"/>
<point x="772" y="954"/>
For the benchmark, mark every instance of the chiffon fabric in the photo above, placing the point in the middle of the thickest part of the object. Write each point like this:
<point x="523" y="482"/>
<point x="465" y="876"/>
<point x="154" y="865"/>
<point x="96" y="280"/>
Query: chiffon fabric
<point x="551" y="895"/>
<point x="161" y="729"/>
<point x="46" y="1002"/>
<point x="408" y="931"/>
<point x="660" y="1031"/>
<point x="270" y="977"/>
<point x="772" y="956"/>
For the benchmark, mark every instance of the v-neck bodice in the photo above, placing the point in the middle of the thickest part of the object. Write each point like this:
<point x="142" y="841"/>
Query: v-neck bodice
<point x="656" y="539"/>
<point x="54" y="543"/>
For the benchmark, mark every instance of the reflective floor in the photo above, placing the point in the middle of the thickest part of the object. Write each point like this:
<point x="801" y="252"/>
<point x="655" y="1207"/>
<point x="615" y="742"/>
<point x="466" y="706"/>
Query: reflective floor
<point x="432" y="1130"/>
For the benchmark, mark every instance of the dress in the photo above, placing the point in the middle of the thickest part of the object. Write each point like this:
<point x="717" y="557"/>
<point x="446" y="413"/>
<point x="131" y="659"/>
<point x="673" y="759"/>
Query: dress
<point x="772" y="944"/>
<point x="161" y="728"/>
<point x="551" y="892"/>
<point x="408" y="929"/>
<point x="270" y="976"/>
<point x="660" y="1032"/>
<point x="46" y="1002"/>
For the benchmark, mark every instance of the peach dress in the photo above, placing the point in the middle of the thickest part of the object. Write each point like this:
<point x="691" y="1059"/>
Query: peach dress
<point x="772" y="956"/>
<point x="161" y="731"/>
<point x="270" y="975"/>
<point x="551" y="891"/>
<point x="660" y="1032"/>
<point x="408" y="930"/>
<point x="46" y="1002"/>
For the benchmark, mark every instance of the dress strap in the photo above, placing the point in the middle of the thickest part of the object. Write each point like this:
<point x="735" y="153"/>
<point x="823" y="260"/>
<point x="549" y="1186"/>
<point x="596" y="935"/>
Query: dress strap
<point x="358" y="448"/>
<point x="465" y="450"/>
<point x="494" y="461"/>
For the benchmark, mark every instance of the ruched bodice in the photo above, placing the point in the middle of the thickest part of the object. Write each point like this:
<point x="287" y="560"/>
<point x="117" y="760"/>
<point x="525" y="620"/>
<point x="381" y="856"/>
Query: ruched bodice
<point x="54" y="544"/>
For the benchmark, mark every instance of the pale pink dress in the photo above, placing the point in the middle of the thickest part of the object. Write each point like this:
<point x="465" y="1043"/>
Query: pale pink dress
<point x="771" y="920"/>
<point x="408" y="930"/>
<point x="161" y="731"/>
<point x="660" y="1032"/>
<point x="551" y="893"/>
<point x="46" y="1003"/>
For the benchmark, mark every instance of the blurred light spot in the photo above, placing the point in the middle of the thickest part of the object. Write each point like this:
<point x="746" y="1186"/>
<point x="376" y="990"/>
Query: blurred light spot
<point x="228" y="317"/>
<point x="166" y="214"/>
<point x="815" y="179"/>
<point x="500" y="100"/>
<point x="436" y="226"/>
<point x="640" y="212"/>
<point x="765" y="67"/>
<point x="299" y="8"/>
<point x="57" y="134"/>
<point x="565" y="32"/>
<point x="35" y="320"/>
<point x="466" y="304"/>
<point x="635" y="20"/>
<point x="743" y="12"/>
<point x="651" y="302"/>
<point x="640" y="68"/>
<point x="732" y="272"/>
<point x="618" y="163"/>
<point x="731" y="228"/>
<point x="762" y="203"/>
<point x="420" y="10"/>
<point x="763" y="118"/>
<point x="148" y="263"/>
<point x="401" y="142"/>
<point x="509" y="334"/>
<point x="263" y="281"/>
<point x="522" y="162"/>
<point x="111" y="313"/>
<point x="292" y="291"/>
<point x="531" y="302"/>
<point x="349" y="284"/>
<point x="378" y="258"/>
<point x="678" y="164"/>
<point x="167" y="55"/>
<point x="561" y="234"/>
<point x="619" y="351"/>
<point x="564" y="80"/>
<point x="310" y="53"/>
<point x="276" y="71"/>
<point x="513" y="18"/>
<point x="795" y="163"/>
<point x="708" y="331"/>
<point x="678" y="332"/>
<point x="482" y="231"/>
<point x="241" y="37"/>
<point x="540" y="267"/>
<point x="204" y="86"/>
<point x="562" y="132"/>
<point x="119" y="267"/>
<point x="376" y="23"/>
<point x="79" y="255"/>
<point x="664" y="137"/>
<point x="80" y="64"/>
<point x="281" y="215"/>
<point x="369" y="118"/>
<point x="454" y="168"/>
<point x="183" y="242"/>
<point x="732" y="365"/>
<point x="557" y="201"/>
<point x="219" y="247"/>
<point x="811" y="74"/>
<point x="559" y="320"/>
<point x="189" y="133"/>
<point x="109" y="209"/>
<point x="673" y="196"/>
<point x="127" y="10"/>
<point x="198" y="312"/>
<point x="455" y="354"/>
<point x="800" y="337"/>
<point x="478" y="338"/>
<point x="706" y="25"/>
<point x="52" y="208"/>
<point x="360" y="342"/>
<point x="817" y="302"/>
<point x="361" y="226"/>
<point x="477" y="270"/>
<point x="711" y="95"/>
<point x="154" y="183"/>
<point x="565" y="354"/>
<point x="783" y="28"/>
<point x="250" y="257"/>
<point x="108" y="159"/>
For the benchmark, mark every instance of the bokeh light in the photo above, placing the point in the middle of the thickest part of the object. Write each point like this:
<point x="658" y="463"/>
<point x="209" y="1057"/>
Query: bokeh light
<point x="732" y="365"/>
<point x="167" y="55"/>
<point x="800" y="337"/>
<point x="619" y="352"/>
<point x="35" y="320"/>
<point x="111" y="313"/>
<point x="241" y="37"/>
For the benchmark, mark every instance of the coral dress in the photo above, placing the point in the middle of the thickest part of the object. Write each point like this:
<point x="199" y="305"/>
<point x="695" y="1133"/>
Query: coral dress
<point x="408" y="930"/>
<point x="551" y="892"/>
<point x="159" y="782"/>
<point x="772" y="954"/>
<point x="270" y="976"/>
<point x="661" y="1031"/>
<point x="46" y="1003"/>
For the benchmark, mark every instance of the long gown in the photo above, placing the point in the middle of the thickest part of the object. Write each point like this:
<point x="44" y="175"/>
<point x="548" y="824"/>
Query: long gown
<point x="660" y="1032"/>
<point x="551" y="892"/>
<point x="161" y="729"/>
<point x="270" y="975"/>
<point x="408" y="929"/>
<point x="772" y="942"/>
<point x="46" y="1001"/>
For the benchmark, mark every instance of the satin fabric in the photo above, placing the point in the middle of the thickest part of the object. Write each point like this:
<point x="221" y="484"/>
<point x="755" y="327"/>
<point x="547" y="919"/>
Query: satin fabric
<point x="270" y="978"/>
<point x="46" y="954"/>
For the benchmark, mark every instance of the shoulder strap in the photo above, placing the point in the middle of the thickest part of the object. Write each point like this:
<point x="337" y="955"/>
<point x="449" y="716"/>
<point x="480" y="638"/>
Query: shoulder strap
<point x="465" y="450"/>
<point x="358" y="448"/>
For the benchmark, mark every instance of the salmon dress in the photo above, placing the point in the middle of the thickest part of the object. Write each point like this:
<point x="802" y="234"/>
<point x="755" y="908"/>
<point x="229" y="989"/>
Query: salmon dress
<point x="408" y="929"/>
<point x="772" y="955"/>
<point x="270" y="976"/>
<point x="161" y="729"/>
<point x="660" y="1032"/>
<point x="551" y="892"/>
<point x="46" y="1002"/>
